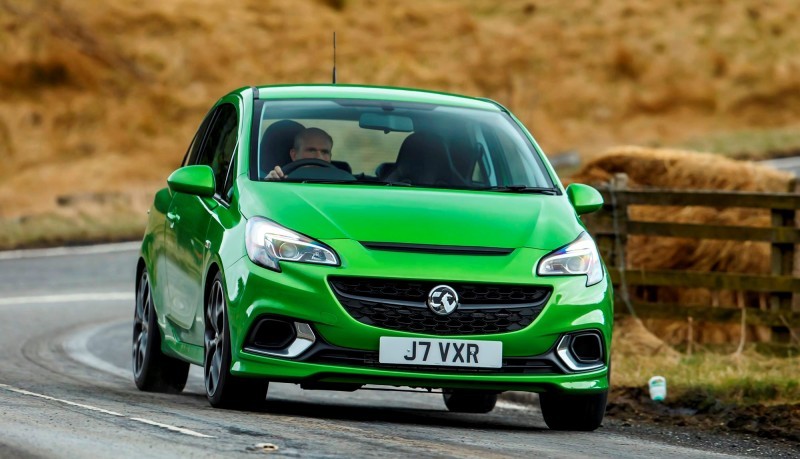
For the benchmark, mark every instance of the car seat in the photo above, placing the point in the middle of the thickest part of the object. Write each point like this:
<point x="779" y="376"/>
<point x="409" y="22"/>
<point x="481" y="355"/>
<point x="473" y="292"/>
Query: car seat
<point x="422" y="160"/>
<point x="276" y="143"/>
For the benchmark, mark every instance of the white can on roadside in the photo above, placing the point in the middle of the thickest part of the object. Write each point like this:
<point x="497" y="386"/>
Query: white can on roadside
<point x="658" y="388"/>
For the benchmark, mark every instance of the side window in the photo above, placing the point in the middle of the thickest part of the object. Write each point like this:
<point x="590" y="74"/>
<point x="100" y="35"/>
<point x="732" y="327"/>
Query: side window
<point x="197" y="142"/>
<point x="220" y="144"/>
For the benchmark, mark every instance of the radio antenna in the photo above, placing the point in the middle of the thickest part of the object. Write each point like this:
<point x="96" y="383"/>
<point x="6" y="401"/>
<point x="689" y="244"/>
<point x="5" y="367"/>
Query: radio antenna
<point x="334" y="57"/>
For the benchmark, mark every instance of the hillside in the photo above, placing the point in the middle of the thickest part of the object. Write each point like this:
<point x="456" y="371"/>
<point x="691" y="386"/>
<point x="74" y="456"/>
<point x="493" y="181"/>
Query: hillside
<point x="99" y="100"/>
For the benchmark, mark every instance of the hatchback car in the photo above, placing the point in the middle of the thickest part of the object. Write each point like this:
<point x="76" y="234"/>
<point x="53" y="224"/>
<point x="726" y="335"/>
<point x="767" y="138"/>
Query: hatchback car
<point x="335" y="236"/>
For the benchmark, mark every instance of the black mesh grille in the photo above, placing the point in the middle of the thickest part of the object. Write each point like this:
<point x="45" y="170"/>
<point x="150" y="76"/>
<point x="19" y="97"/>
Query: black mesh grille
<point x="400" y="305"/>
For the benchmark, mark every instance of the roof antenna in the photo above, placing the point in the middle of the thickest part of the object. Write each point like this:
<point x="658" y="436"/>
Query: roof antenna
<point x="334" y="57"/>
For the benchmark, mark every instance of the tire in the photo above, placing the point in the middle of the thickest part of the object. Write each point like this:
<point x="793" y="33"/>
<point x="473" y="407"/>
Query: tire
<point x="573" y="412"/>
<point x="469" y="401"/>
<point x="223" y="389"/>
<point x="153" y="371"/>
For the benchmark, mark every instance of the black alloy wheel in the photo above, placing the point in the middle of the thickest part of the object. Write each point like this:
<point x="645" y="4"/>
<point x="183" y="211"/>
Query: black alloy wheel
<point x="152" y="370"/>
<point x="223" y="389"/>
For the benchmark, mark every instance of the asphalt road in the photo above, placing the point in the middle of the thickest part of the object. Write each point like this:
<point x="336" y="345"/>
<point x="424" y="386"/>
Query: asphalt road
<point x="66" y="391"/>
<point x="790" y="164"/>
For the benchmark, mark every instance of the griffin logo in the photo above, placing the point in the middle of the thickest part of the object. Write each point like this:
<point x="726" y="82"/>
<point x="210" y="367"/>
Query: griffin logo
<point x="442" y="300"/>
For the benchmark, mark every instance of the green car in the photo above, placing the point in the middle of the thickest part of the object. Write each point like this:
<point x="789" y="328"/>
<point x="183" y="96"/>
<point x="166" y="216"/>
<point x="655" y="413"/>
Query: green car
<point x="334" y="236"/>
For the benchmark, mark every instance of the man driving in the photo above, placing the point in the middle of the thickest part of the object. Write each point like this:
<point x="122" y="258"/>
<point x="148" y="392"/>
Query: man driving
<point x="310" y="143"/>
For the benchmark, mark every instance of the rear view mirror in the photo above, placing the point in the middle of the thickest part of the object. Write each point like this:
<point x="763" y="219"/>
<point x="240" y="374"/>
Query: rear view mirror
<point x="386" y="122"/>
<point x="584" y="198"/>
<point x="196" y="180"/>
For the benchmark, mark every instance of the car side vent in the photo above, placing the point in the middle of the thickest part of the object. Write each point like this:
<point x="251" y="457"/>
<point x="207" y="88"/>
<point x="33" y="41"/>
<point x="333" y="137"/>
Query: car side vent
<point x="438" y="249"/>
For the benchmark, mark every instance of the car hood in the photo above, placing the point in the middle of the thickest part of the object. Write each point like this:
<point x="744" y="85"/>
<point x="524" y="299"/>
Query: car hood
<point x="415" y="215"/>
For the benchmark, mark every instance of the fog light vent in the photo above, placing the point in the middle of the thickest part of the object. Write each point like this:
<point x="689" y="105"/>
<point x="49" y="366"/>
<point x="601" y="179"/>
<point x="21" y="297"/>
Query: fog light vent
<point x="279" y="337"/>
<point x="581" y="351"/>
<point x="272" y="334"/>
<point x="587" y="348"/>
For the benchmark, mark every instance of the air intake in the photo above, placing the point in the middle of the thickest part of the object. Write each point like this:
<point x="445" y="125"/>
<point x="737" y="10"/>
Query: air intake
<point x="587" y="348"/>
<point x="272" y="334"/>
<point x="581" y="351"/>
<point x="279" y="337"/>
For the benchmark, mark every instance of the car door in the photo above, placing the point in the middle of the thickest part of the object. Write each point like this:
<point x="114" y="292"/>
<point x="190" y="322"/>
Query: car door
<point x="187" y="223"/>
<point x="161" y="244"/>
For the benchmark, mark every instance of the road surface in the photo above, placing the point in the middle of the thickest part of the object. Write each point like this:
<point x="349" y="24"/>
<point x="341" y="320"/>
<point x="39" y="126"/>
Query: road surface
<point x="66" y="391"/>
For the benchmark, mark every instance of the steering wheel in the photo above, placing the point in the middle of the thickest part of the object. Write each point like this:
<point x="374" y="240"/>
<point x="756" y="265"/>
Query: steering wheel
<point x="294" y="165"/>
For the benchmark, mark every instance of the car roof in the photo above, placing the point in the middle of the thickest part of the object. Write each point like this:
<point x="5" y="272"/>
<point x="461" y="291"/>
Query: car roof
<point x="344" y="91"/>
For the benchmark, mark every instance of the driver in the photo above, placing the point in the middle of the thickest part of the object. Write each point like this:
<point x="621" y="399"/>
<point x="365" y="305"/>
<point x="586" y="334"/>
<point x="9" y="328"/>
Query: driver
<point x="310" y="143"/>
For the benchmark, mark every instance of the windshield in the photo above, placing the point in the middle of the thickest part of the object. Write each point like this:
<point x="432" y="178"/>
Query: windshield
<point x="394" y="143"/>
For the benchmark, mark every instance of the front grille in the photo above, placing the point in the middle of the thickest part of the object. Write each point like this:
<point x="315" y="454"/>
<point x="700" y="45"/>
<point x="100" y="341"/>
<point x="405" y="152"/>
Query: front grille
<point x="401" y="305"/>
<point x="511" y="365"/>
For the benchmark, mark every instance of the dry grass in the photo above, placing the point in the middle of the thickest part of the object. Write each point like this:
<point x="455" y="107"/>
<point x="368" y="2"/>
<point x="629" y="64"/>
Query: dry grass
<point x="79" y="219"/>
<point x="104" y="97"/>
<point x="749" y="143"/>
<point x="740" y="378"/>
<point x="747" y="378"/>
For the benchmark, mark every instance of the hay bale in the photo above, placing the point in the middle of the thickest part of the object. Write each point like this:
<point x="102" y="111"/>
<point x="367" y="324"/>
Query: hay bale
<point x="684" y="170"/>
<point x="678" y="169"/>
<point x="631" y="337"/>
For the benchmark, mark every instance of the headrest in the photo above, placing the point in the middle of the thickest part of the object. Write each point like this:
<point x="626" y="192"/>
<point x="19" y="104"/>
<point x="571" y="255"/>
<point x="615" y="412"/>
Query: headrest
<point x="464" y="155"/>
<point x="422" y="160"/>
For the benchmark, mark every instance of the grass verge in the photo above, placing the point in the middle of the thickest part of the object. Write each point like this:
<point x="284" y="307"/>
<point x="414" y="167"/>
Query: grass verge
<point x="743" y="379"/>
<point x="754" y="144"/>
<point x="53" y="229"/>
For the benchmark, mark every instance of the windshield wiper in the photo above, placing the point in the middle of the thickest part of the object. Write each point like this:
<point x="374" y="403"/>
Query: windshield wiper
<point x="522" y="189"/>
<point x="288" y="180"/>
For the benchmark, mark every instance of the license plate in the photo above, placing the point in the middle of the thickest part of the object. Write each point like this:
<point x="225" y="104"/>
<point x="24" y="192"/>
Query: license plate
<point x="441" y="352"/>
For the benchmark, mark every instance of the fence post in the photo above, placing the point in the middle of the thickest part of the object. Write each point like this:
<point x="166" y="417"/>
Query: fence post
<point x="601" y="228"/>
<point x="617" y="188"/>
<point x="782" y="264"/>
<point x="794" y="187"/>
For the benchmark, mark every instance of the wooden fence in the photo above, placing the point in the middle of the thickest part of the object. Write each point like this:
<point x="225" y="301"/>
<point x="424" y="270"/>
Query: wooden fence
<point x="778" y="292"/>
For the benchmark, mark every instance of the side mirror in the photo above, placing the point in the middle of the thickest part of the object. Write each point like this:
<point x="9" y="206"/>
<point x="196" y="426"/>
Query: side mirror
<point x="584" y="198"/>
<point x="197" y="180"/>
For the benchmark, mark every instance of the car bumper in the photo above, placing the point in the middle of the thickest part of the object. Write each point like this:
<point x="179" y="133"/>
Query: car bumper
<point x="302" y="293"/>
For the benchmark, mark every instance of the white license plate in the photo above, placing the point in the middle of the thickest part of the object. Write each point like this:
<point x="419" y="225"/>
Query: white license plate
<point x="441" y="352"/>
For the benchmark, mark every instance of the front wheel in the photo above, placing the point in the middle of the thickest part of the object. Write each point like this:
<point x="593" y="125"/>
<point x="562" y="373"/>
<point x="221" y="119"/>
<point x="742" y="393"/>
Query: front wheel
<point x="152" y="370"/>
<point x="223" y="389"/>
<point x="582" y="412"/>
<point x="469" y="401"/>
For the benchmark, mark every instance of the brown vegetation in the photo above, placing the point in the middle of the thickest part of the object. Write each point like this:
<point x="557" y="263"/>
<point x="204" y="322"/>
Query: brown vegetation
<point x="99" y="97"/>
<point x="673" y="169"/>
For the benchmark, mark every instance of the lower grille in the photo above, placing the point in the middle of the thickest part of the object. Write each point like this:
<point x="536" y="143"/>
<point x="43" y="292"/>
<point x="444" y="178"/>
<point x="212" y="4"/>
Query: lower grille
<point x="512" y="365"/>
<point x="401" y="305"/>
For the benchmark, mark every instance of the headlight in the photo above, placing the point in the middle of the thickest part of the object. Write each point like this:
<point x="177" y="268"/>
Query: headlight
<point x="267" y="243"/>
<point x="579" y="257"/>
